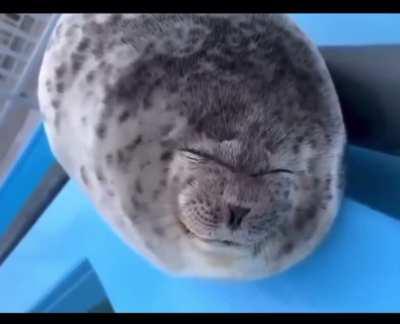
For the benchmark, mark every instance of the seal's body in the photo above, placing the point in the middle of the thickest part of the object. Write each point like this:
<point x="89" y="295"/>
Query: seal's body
<point x="212" y="144"/>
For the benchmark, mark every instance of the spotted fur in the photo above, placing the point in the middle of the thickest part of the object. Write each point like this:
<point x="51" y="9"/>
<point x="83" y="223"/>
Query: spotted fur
<point x="212" y="144"/>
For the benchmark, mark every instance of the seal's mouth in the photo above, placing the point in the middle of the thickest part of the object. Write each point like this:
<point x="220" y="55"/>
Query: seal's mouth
<point x="193" y="235"/>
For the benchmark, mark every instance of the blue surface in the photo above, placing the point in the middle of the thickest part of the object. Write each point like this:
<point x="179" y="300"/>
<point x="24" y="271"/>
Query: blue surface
<point x="49" y="252"/>
<point x="374" y="180"/>
<point x="80" y="291"/>
<point x="26" y="175"/>
<point x="350" y="29"/>
<point x="356" y="269"/>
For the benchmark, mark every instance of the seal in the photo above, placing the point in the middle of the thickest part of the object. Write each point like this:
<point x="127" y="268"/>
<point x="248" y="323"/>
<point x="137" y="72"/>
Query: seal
<point x="211" y="143"/>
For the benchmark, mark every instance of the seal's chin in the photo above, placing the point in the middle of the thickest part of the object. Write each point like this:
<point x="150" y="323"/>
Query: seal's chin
<point x="214" y="242"/>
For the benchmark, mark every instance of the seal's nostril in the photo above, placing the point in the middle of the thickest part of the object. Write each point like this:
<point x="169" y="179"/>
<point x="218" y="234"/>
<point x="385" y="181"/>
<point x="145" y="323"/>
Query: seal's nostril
<point x="236" y="215"/>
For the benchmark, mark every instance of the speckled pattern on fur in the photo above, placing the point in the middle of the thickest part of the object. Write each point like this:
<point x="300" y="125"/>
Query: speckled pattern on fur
<point x="212" y="144"/>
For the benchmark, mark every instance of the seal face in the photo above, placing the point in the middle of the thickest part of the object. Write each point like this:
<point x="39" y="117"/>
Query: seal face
<point x="212" y="144"/>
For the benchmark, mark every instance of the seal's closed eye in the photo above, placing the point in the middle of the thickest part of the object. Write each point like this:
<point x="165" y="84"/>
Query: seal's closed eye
<point x="263" y="173"/>
<point x="202" y="156"/>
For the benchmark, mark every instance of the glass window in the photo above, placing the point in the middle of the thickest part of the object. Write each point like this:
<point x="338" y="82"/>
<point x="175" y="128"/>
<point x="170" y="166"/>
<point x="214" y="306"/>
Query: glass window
<point x="8" y="63"/>
<point x="17" y="44"/>
<point x="27" y="24"/>
<point x="9" y="19"/>
<point x="28" y="48"/>
<point x="15" y="17"/>
<point x="38" y="27"/>
<point x="19" y="67"/>
<point x="5" y="37"/>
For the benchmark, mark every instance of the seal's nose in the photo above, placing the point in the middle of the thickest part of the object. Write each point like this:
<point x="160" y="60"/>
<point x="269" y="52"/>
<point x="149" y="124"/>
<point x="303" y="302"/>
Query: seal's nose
<point x="236" y="215"/>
